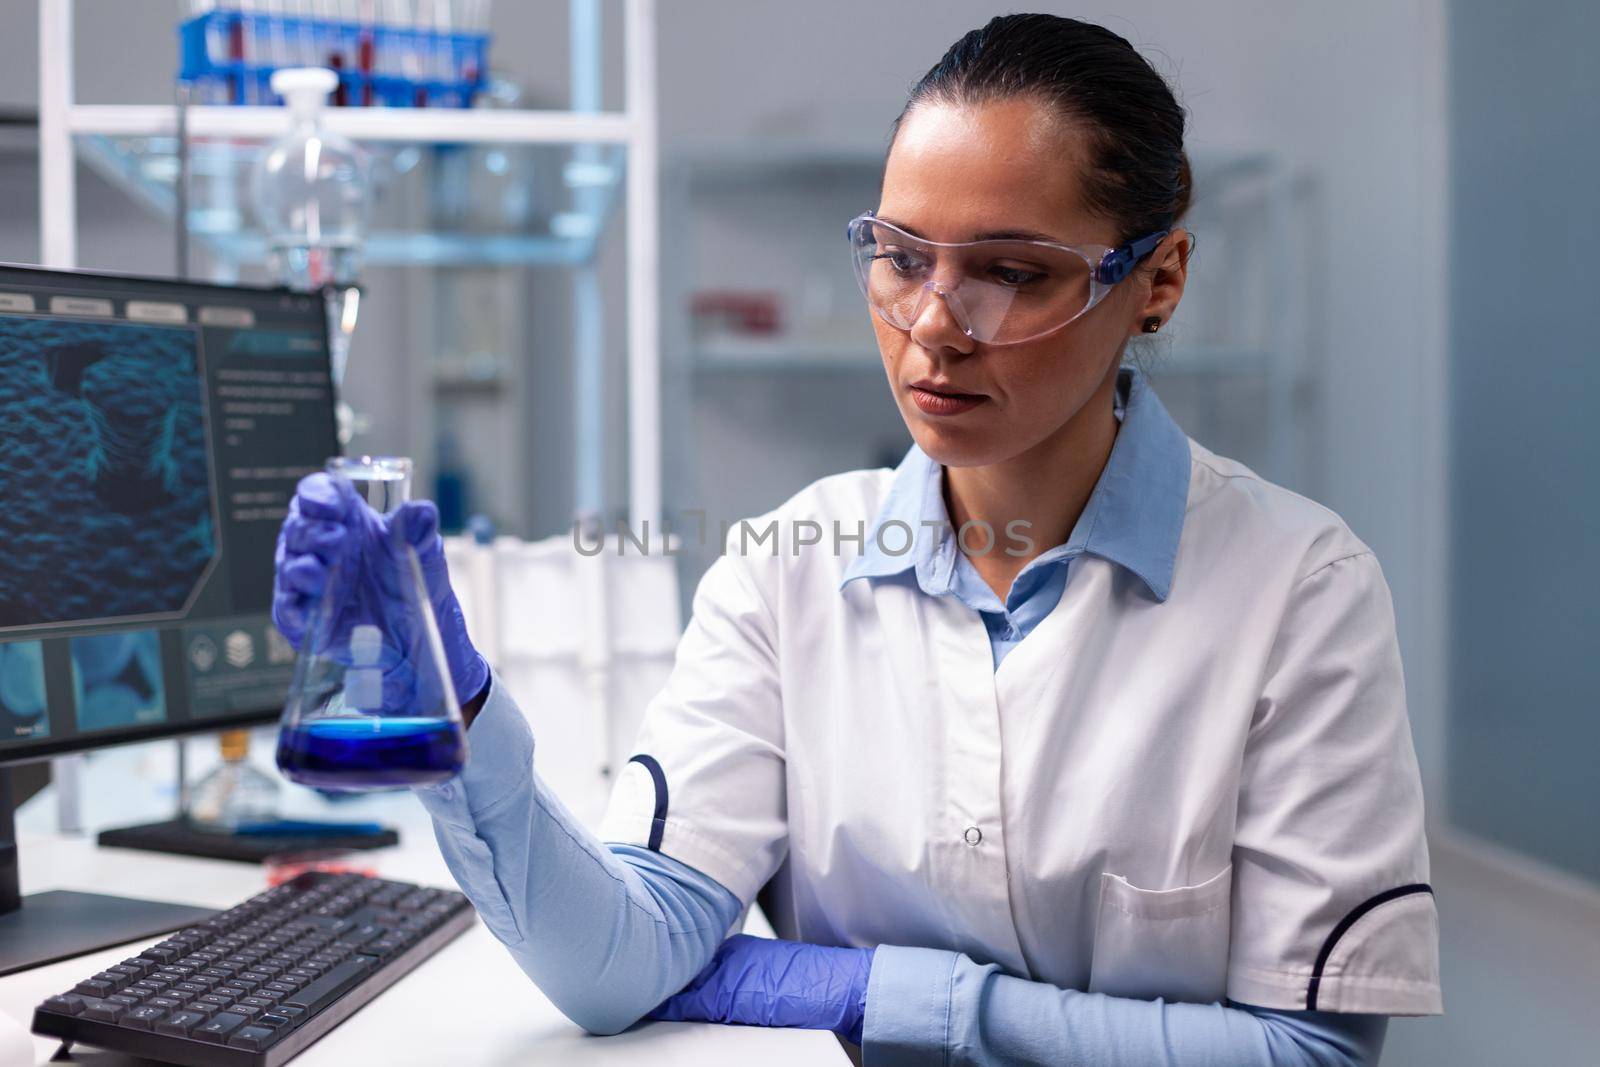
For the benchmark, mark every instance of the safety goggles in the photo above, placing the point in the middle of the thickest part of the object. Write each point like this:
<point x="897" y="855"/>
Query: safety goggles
<point x="999" y="291"/>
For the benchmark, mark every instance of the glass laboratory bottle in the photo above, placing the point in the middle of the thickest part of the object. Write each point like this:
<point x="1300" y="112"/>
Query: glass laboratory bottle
<point x="372" y="705"/>
<point x="310" y="190"/>
<point x="235" y="791"/>
<point x="311" y="197"/>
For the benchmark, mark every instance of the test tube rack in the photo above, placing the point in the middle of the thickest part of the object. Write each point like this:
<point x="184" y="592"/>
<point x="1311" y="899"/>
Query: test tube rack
<point x="228" y="56"/>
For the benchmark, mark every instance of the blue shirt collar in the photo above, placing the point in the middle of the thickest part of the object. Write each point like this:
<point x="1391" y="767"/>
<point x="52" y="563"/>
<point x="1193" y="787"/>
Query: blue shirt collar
<point x="1133" y="518"/>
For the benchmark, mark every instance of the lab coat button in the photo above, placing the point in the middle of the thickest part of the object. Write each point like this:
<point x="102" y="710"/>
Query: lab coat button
<point x="973" y="835"/>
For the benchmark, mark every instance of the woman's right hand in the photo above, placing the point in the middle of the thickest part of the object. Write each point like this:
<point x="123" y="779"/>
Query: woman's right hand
<point x="330" y="533"/>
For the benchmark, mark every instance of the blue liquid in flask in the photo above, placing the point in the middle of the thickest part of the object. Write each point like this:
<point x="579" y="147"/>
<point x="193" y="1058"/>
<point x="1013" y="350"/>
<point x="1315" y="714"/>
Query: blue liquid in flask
<point x="371" y="752"/>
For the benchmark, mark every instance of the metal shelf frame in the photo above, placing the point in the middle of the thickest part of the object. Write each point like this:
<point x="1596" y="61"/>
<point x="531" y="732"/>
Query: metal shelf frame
<point x="635" y="129"/>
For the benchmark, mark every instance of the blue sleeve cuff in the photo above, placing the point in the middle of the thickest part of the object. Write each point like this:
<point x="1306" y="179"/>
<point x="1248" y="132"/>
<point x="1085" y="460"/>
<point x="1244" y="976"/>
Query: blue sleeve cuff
<point x="908" y="1005"/>
<point x="499" y="763"/>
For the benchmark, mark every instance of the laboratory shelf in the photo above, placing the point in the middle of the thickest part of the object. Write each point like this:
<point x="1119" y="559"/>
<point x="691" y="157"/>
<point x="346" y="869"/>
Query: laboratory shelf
<point x="436" y="125"/>
<point x="784" y="354"/>
<point x="542" y="222"/>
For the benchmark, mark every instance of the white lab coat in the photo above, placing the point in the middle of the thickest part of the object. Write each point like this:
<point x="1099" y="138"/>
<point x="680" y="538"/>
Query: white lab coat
<point x="1210" y="796"/>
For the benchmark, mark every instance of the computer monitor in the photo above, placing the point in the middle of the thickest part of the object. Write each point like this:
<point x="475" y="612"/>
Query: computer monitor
<point x="151" y="435"/>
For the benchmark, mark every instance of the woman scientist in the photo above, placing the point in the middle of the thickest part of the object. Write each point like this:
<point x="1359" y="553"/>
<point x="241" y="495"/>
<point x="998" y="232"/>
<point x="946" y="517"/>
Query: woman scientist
<point x="1068" y="741"/>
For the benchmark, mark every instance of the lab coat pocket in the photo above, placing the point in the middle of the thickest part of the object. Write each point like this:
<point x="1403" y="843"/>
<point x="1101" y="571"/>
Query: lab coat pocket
<point x="1170" y="943"/>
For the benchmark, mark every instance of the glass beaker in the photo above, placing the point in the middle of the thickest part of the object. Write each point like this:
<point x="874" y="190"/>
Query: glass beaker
<point x="372" y="705"/>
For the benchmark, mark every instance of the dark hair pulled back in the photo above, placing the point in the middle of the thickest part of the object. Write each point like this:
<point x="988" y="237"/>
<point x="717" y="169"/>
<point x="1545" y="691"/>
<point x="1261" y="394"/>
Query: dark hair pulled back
<point x="1138" y="174"/>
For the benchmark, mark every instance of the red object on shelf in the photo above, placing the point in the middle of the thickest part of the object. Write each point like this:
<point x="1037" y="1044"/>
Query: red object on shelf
<point x="364" y="63"/>
<point x="737" y="311"/>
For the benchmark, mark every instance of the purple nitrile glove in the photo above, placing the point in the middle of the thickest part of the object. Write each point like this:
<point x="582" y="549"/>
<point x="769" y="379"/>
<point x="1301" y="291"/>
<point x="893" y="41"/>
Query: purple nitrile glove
<point x="330" y="529"/>
<point x="758" y="981"/>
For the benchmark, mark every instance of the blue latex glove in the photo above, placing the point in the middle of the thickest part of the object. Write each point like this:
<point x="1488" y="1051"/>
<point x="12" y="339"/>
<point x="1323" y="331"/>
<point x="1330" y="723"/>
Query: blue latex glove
<point x="757" y="981"/>
<point x="328" y="523"/>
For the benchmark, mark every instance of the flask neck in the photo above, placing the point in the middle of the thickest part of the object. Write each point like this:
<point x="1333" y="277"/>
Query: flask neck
<point x="235" y="745"/>
<point x="305" y="108"/>
<point x="384" y="482"/>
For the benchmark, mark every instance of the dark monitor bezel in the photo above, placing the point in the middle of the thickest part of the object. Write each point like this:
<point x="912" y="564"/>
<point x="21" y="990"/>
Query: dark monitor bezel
<point x="49" y="748"/>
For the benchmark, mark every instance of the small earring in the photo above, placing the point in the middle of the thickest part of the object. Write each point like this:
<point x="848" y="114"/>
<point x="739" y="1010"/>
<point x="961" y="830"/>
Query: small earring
<point x="1152" y="324"/>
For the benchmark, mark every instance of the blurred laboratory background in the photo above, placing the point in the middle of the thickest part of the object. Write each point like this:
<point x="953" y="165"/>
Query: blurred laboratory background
<point x="1396" y="216"/>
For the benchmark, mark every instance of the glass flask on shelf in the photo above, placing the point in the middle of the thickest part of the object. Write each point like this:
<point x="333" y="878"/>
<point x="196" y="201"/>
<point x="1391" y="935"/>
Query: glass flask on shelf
<point x="312" y="191"/>
<point x="372" y="705"/>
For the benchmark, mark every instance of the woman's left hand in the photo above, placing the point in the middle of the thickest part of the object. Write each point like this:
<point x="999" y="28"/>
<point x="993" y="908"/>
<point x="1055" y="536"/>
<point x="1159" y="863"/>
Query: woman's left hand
<point x="757" y="981"/>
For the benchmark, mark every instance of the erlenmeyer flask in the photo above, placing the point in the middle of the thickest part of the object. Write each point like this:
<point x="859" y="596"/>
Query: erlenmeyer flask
<point x="372" y="705"/>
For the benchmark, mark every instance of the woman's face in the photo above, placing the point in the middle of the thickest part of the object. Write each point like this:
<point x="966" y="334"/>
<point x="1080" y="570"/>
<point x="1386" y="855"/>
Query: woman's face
<point x="961" y="171"/>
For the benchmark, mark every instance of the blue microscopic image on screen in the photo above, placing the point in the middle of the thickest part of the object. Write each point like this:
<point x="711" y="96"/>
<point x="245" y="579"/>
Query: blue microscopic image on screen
<point x="103" y="470"/>
<point x="116" y="680"/>
<point x="22" y="698"/>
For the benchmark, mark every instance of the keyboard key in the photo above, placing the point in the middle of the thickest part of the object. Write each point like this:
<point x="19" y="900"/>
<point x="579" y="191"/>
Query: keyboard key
<point x="213" y="998"/>
<point x="331" y="986"/>
<point x="192" y="987"/>
<point x="94" y="987"/>
<point x="217" y="1029"/>
<point x="124" y="999"/>
<point x="142" y="1017"/>
<point x="179" y="1023"/>
<point x="413" y="901"/>
<point x="165" y="1003"/>
<point x="370" y="932"/>
<point x="253" y="1037"/>
<point x="256" y="1002"/>
<point x="104" y="1010"/>
<point x="272" y="1018"/>
<point x="201" y="1007"/>
<point x="65" y="1004"/>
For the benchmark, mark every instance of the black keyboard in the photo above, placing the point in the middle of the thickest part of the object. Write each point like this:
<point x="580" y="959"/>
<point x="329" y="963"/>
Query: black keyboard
<point x="255" y="985"/>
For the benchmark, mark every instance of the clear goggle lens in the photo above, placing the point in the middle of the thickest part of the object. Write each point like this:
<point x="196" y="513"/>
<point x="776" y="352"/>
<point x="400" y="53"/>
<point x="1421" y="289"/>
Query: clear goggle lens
<point x="998" y="291"/>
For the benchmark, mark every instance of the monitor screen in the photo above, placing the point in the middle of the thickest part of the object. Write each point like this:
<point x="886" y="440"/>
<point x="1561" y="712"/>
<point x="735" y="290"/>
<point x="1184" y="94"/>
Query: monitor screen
<point x="151" y="435"/>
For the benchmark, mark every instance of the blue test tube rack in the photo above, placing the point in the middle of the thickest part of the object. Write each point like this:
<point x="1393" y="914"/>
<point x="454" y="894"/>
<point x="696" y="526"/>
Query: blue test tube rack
<point x="228" y="57"/>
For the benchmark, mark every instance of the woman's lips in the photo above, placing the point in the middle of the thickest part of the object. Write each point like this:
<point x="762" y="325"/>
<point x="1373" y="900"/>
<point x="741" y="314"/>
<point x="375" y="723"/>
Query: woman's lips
<point x="934" y="401"/>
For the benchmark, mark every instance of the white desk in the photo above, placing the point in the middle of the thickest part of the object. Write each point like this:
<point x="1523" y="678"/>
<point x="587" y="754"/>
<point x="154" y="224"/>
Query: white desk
<point x="469" y="1005"/>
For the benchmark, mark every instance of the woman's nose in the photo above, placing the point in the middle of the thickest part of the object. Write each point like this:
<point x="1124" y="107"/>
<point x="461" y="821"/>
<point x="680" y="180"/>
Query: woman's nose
<point x="941" y="321"/>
